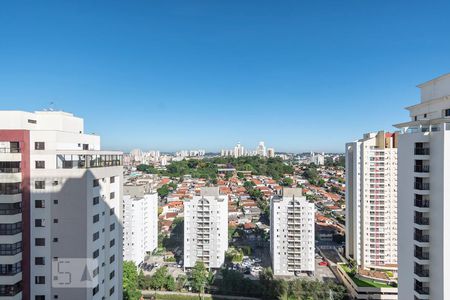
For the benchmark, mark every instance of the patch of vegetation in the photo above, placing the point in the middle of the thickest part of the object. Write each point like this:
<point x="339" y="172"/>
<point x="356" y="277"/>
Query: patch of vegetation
<point x="208" y="169"/>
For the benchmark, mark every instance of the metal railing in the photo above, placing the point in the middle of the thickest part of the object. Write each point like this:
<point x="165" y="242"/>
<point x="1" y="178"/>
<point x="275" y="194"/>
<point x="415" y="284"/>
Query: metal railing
<point x="9" y="150"/>
<point x="424" y="186"/>
<point x="421" y="238"/>
<point x="422" y="203"/>
<point x="422" y="151"/>
<point x="422" y="169"/>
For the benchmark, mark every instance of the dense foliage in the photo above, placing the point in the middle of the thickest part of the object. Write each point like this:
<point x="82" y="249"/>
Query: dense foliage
<point x="130" y="281"/>
<point x="208" y="169"/>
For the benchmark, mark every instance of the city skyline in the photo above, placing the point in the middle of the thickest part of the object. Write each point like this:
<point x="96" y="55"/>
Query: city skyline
<point x="285" y="73"/>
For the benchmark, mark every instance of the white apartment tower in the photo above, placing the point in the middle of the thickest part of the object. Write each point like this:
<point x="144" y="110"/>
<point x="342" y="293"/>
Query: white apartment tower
<point x="291" y="233"/>
<point x="371" y="201"/>
<point x="60" y="205"/>
<point x="206" y="228"/>
<point x="424" y="195"/>
<point x="140" y="222"/>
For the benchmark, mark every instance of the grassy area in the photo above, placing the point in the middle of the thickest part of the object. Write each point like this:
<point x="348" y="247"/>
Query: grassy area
<point x="180" y="297"/>
<point x="364" y="282"/>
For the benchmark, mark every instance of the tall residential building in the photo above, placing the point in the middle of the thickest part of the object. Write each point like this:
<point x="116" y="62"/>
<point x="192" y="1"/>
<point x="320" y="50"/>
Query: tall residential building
<point x="206" y="228"/>
<point x="261" y="150"/>
<point x="371" y="201"/>
<point x="424" y="195"/>
<point x="270" y="152"/>
<point x="291" y="233"/>
<point x="60" y="207"/>
<point x="140" y="222"/>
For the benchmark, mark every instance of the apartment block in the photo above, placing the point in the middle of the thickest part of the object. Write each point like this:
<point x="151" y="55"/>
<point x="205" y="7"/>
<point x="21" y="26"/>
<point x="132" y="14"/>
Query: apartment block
<point x="371" y="201"/>
<point x="60" y="203"/>
<point x="206" y="228"/>
<point x="424" y="195"/>
<point x="140" y="222"/>
<point x="291" y="233"/>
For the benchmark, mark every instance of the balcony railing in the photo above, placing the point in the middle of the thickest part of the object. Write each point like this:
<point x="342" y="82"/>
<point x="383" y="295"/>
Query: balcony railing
<point x="422" y="151"/>
<point x="421" y="255"/>
<point x="424" y="186"/>
<point x="422" y="203"/>
<point x="421" y="272"/>
<point x="9" y="150"/>
<point x="421" y="238"/>
<point x="422" y="169"/>
<point x="422" y="221"/>
<point x="422" y="289"/>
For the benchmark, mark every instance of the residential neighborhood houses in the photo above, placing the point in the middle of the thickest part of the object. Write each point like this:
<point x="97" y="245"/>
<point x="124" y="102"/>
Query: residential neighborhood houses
<point x="247" y="195"/>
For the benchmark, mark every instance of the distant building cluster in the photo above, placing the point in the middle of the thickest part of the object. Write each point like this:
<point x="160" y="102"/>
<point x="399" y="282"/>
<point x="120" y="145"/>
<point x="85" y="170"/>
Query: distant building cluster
<point x="239" y="151"/>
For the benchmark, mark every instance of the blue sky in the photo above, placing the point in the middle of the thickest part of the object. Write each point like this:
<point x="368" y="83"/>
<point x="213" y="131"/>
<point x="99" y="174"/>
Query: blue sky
<point x="168" y="75"/>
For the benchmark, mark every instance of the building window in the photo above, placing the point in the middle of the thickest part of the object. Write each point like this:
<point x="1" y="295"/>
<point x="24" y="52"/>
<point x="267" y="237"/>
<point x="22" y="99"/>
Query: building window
<point x="111" y="211"/>
<point x="96" y="253"/>
<point x="40" y="164"/>
<point x="447" y="112"/>
<point x="39" y="146"/>
<point x="10" y="229"/>
<point x="39" y="279"/>
<point x="95" y="200"/>
<point x="95" y="183"/>
<point x="55" y="240"/>
<point x="112" y="259"/>
<point x="96" y="236"/>
<point x="112" y="226"/>
<point x="111" y="275"/>
<point x="31" y="121"/>
<point x="39" y="297"/>
<point x="112" y="179"/>
<point x="112" y="195"/>
<point x="39" y="261"/>
<point x="55" y="201"/>
<point x="112" y="243"/>
<point x="95" y="218"/>
<point x="111" y="291"/>
<point x="39" y="184"/>
<point x="10" y="249"/>
<point x="85" y="146"/>
<point x="39" y="223"/>
<point x="55" y="221"/>
<point x="11" y="188"/>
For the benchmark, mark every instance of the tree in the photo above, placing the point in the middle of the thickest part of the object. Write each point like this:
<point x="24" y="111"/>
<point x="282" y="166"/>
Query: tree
<point x="199" y="277"/>
<point x="287" y="181"/>
<point x="158" y="280"/>
<point x="163" y="191"/>
<point x="130" y="280"/>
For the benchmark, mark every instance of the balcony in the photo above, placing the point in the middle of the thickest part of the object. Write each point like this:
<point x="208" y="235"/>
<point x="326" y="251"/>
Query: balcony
<point x="421" y="203"/>
<point x="421" y="220"/>
<point x="10" y="150"/>
<point x="421" y="169"/>
<point x="421" y="272"/>
<point x="421" y="255"/>
<point x="423" y="186"/>
<point x="422" y="151"/>
<point x="421" y="289"/>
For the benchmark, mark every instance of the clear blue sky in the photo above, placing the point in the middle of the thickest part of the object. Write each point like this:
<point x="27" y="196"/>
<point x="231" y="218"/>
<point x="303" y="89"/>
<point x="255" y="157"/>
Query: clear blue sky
<point x="160" y="74"/>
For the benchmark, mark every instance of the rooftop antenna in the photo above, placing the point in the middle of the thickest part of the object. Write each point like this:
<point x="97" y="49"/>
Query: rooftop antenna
<point x="51" y="107"/>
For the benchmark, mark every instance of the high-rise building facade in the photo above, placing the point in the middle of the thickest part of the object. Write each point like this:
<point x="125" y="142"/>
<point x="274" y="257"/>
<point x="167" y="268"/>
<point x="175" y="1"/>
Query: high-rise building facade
<point x="60" y="202"/>
<point x="424" y="195"/>
<point x="206" y="228"/>
<point x="371" y="201"/>
<point x="291" y="233"/>
<point x="140" y="222"/>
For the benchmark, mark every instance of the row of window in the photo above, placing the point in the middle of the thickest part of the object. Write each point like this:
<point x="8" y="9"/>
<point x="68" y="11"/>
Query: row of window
<point x="10" y="229"/>
<point x="96" y="182"/>
<point x="10" y="249"/>
<point x="10" y="269"/>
